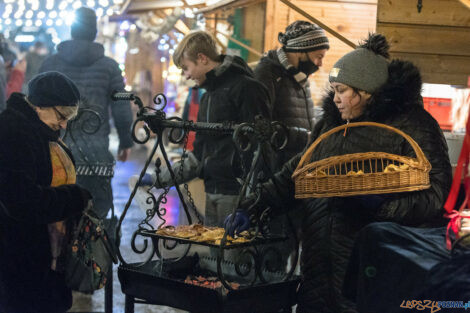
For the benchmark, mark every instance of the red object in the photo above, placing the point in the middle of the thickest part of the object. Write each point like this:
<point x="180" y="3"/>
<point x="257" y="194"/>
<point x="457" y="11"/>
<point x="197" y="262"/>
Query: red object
<point x="461" y="169"/>
<point x="440" y="109"/>
<point x="192" y="116"/>
<point x="15" y="82"/>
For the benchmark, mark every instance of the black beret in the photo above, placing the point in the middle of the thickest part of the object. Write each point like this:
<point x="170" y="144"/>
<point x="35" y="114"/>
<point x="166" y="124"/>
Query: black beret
<point x="50" y="89"/>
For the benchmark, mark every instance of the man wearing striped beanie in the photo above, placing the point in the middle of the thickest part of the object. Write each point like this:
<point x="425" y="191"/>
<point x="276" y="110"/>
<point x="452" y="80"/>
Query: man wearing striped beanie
<point x="284" y="71"/>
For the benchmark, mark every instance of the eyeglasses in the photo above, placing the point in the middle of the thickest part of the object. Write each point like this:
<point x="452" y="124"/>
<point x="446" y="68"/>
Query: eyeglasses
<point x="60" y="117"/>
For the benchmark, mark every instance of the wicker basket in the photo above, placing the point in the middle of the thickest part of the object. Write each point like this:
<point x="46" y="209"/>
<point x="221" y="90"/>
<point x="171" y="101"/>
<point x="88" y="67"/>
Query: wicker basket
<point x="361" y="173"/>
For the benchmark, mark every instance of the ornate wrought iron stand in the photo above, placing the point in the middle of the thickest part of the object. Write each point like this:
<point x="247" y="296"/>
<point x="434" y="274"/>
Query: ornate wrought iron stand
<point x="254" y="268"/>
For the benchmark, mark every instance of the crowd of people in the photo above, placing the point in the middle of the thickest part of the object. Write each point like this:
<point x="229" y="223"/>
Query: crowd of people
<point x="39" y="186"/>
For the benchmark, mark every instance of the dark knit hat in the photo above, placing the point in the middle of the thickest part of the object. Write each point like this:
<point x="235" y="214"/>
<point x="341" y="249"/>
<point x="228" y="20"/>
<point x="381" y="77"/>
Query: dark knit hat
<point x="50" y="89"/>
<point x="366" y="67"/>
<point x="84" y="24"/>
<point x="302" y="36"/>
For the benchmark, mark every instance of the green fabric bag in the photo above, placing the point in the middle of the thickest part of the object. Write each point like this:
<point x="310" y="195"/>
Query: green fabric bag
<point x="89" y="255"/>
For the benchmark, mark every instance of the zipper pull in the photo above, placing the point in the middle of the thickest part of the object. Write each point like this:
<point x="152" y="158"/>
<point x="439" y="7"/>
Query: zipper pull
<point x="344" y="134"/>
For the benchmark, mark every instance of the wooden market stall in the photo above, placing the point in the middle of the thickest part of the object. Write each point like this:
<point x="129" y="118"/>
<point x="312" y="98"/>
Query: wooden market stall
<point x="436" y="38"/>
<point x="263" y="20"/>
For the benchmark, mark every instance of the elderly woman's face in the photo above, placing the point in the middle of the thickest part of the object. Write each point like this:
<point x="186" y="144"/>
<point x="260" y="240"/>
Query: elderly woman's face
<point x="52" y="117"/>
<point x="350" y="104"/>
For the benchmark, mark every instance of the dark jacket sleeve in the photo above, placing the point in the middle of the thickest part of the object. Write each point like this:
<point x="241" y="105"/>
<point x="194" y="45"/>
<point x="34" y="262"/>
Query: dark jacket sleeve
<point x="252" y="99"/>
<point x="120" y="110"/>
<point x="265" y="75"/>
<point x="422" y="207"/>
<point x="279" y="191"/>
<point x="26" y="201"/>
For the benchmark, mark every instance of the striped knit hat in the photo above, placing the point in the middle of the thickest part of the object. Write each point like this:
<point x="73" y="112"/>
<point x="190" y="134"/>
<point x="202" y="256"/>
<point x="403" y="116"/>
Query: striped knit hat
<point x="302" y="36"/>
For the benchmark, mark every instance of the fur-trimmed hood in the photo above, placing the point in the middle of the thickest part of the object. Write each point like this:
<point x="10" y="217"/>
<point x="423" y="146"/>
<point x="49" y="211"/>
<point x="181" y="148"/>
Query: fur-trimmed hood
<point x="401" y="93"/>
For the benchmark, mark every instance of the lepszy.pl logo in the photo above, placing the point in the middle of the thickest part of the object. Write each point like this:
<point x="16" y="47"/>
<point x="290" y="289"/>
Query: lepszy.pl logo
<point x="434" y="306"/>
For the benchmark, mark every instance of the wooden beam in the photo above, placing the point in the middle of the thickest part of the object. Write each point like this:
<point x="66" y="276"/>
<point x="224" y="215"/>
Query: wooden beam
<point x="227" y="4"/>
<point x="427" y="39"/>
<point x="221" y="44"/>
<point x="434" y="12"/>
<point x="182" y="27"/>
<point x="153" y="5"/>
<point x="467" y="3"/>
<point x="124" y="6"/>
<point x="439" y="69"/>
<point x="319" y="23"/>
<point x="239" y="43"/>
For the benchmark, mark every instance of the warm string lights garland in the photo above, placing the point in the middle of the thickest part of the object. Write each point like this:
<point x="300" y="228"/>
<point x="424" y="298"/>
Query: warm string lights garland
<point x="54" y="15"/>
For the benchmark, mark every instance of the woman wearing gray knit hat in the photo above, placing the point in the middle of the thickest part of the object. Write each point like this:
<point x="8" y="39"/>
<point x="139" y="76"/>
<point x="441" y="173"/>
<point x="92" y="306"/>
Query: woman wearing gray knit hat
<point x="366" y="86"/>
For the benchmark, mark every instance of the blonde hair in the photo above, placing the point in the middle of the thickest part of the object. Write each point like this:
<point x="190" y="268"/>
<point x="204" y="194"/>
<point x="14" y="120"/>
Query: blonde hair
<point x="68" y="111"/>
<point x="193" y="43"/>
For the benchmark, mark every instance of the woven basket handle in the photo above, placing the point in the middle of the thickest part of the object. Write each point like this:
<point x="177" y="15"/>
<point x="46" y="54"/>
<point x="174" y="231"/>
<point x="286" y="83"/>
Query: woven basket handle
<point x="308" y="154"/>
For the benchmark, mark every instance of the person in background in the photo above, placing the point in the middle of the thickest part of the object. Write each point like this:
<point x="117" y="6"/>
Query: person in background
<point x="365" y="86"/>
<point x="3" y="75"/>
<point x="232" y="95"/>
<point x="96" y="76"/>
<point x="285" y="73"/>
<point x="34" y="59"/>
<point x="191" y="109"/>
<point x="16" y="77"/>
<point x="14" y="70"/>
<point x="37" y="191"/>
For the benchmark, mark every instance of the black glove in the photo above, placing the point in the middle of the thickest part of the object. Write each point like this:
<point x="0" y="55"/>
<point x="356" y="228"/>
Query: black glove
<point x="240" y="222"/>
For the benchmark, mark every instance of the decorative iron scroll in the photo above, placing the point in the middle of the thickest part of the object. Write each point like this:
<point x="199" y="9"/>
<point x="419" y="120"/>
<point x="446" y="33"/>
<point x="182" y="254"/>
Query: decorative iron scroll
<point x="262" y="137"/>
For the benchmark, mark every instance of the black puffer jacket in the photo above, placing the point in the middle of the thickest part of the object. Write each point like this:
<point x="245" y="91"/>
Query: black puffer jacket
<point x="330" y="225"/>
<point x="96" y="76"/>
<point x="232" y="95"/>
<point x="291" y="102"/>
<point x="27" y="284"/>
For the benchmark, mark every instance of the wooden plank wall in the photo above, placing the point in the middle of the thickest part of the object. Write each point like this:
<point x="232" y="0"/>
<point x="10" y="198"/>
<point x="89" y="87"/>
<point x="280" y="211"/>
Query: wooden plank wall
<point x="352" y="19"/>
<point x="253" y="28"/>
<point x="437" y="40"/>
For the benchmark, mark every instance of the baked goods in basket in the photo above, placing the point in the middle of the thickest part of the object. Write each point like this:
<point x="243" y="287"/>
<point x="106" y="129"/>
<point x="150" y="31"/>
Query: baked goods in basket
<point x="361" y="173"/>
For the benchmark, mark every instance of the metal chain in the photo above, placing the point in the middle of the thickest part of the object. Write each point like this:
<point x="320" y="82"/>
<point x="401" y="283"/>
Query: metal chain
<point x="183" y="156"/>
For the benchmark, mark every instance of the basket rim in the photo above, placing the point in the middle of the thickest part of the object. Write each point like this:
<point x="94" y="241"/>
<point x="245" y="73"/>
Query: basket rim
<point x="410" y="161"/>
<point x="327" y="194"/>
<point x="308" y="154"/>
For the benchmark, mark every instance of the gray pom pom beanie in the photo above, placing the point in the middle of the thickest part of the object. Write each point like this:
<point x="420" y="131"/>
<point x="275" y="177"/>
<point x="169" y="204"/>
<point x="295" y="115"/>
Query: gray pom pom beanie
<point x="362" y="69"/>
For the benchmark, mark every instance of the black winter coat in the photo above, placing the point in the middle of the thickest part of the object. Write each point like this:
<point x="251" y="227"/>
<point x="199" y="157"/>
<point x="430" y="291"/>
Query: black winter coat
<point x="330" y="225"/>
<point x="29" y="204"/>
<point x="232" y="95"/>
<point x="291" y="102"/>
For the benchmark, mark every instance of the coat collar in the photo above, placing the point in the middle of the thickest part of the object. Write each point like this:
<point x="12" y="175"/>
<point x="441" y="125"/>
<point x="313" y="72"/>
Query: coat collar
<point x="17" y="104"/>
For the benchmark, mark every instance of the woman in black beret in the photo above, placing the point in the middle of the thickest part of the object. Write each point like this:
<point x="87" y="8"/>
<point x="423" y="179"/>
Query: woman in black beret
<point x="37" y="194"/>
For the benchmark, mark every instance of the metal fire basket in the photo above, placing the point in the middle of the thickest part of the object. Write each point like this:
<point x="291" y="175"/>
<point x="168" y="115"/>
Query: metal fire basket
<point x="256" y="280"/>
